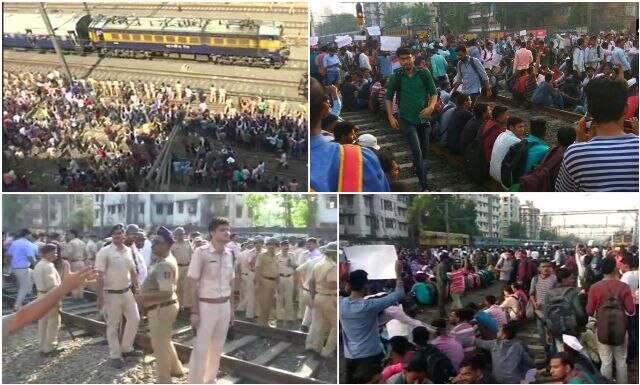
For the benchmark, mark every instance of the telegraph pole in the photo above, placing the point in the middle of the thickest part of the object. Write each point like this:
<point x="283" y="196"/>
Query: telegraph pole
<point x="54" y="40"/>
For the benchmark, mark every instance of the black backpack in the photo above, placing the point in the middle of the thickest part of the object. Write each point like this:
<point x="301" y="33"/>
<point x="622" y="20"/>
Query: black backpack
<point x="513" y="163"/>
<point x="474" y="164"/>
<point x="558" y="312"/>
<point x="424" y="76"/>
<point x="365" y="91"/>
<point x="439" y="366"/>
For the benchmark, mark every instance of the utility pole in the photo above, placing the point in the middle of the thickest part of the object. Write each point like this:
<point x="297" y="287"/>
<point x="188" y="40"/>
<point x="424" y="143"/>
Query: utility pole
<point x="54" y="40"/>
<point x="86" y="8"/>
<point x="446" y="223"/>
<point x="589" y="17"/>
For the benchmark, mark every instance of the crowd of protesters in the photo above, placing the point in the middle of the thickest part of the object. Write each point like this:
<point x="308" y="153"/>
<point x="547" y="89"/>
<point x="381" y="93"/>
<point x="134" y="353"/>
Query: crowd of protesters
<point x="429" y="90"/>
<point x="583" y="301"/>
<point x="105" y="135"/>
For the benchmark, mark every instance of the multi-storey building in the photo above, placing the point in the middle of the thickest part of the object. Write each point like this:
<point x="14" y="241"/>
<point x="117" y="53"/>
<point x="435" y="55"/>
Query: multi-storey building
<point x="374" y="217"/>
<point x="487" y="213"/>
<point x="530" y="220"/>
<point x="509" y="213"/>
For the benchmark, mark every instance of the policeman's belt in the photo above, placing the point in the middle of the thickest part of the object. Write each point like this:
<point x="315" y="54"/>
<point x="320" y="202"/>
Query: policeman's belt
<point x="118" y="291"/>
<point x="45" y="291"/>
<point x="286" y="275"/>
<point x="214" y="300"/>
<point x="159" y="305"/>
<point x="331" y="294"/>
<point x="269" y="278"/>
<point x="187" y="265"/>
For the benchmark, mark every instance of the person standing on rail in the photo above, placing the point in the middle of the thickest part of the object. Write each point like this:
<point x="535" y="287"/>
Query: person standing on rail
<point x="267" y="279"/>
<point x="132" y="232"/>
<point x="159" y="300"/>
<point x="471" y="74"/>
<point x="75" y="254"/>
<point x="22" y="254"/>
<point x="211" y="273"/>
<point x="324" y="276"/>
<point x="416" y="96"/>
<point x="284" y="296"/>
<point x="182" y="251"/>
<point x="306" y="262"/>
<point x="246" y="264"/>
<point x="117" y="284"/>
<point x="46" y="278"/>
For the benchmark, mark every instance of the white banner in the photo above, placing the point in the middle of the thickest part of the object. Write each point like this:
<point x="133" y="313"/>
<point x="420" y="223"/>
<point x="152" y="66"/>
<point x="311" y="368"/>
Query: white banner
<point x="359" y="37"/>
<point x="523" y="32"/>
<point x="373" y="31"/>
<point x="346" y="40"/>
<point x="313" y="40"/>
<point x="377" y="260"/>
<point x="390" y="43"/>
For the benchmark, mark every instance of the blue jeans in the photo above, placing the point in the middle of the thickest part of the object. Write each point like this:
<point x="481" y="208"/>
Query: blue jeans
<point x="332" y="76"/>
<point x="474" y="97"/>
<point x="632" y="350"/>
<point x="541" y="326"/>
<point x="418" y="137"/>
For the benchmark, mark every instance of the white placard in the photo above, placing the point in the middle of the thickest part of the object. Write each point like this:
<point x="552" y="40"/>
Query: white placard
<point x="313" y="40"/>
<point x="340" y="37"/>
<point x="359" y="37"/>
<point x="523" y="32"/>
<point x="397" y="328"/>
<point x="344" y="42"/>
<point x="390" y="43"/>
<point x="373" y="31"/>
<point x="377" y="260"/>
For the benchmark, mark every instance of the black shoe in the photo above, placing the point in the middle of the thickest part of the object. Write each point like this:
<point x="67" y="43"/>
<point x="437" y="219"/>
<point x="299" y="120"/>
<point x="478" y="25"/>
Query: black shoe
<point x="133" y="353"/>
<point x="117" y="363"/>
<point x="52" y="353"/>
<point x="304" y="329"/>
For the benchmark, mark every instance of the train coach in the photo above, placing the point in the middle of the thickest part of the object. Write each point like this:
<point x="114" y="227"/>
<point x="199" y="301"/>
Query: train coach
<point x="235" y="42"/>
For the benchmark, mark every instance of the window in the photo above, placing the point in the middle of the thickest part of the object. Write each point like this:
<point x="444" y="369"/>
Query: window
<point x="111" y="209"/>
<point x="232" y="41"/>
<point x="217" y="41"/>
<point x="332" y="202"/>
<point x="126" y="36"/>
<point x="115" y="36"/>
<point x="159" y="208"/>
<point x="158" y="39"/>
<point x="141" y="208"/>
<point x="147" y="37"/>
<point x="238" y="211"/>
<point x="170" y="209"/>
<point x="368" y="202"/>
<point x="193" y="207"/>
<point x="136" y="37"/>
<point x="388" y="206"/>
<point x="120" y="209"/>
<point x="194" y="40"/>
<point x="171" y="39"/>
<point x="388" y="223"/>
<point x="182" y="39"/>
<point x="368" y="220"/>
<point x="244" y="42"/>
<point x="348" y="200"/>
<point x="180" y="207"/>
<point x="96" y="213"/>
<point x="351" y="220"/>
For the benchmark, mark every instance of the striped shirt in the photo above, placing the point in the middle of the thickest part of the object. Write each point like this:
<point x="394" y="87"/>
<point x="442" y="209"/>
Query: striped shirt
<point x="465" y="333"/>
<point x="457" y="281"/>
<point x="498" y="314"/>
<point x="605" y="163"/>
<point x="542" y="287"/>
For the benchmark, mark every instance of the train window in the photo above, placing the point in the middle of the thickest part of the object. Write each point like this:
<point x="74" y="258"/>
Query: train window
<point x="182" y="39"/>
<point x="115" y="36"/>
<point x="126" y="36"/>
<point x="194" y="40"/>
<point x="147" y="37"/>
<point x="136" y="37"/>
<point x="158" y="39"/>
<point x="218" y="41"/>
<point x="244" y="42"/>
<point x="232" y="41"/>
<point x="171" y="39"/>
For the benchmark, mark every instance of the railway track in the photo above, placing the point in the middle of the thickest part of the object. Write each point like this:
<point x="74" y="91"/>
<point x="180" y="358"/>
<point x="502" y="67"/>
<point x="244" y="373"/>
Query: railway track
<point x="445" y="171"/>
<point x="256" y="353"/>
<point x="235" y="85"/>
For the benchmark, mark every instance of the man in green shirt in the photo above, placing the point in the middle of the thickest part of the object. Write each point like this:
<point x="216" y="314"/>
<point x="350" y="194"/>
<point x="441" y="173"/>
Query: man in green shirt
<point x="416" y="100"/>
<point x="439" y="68"/>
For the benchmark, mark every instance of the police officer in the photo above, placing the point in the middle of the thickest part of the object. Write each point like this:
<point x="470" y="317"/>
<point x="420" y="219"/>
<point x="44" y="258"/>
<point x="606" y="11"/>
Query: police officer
<point x="210" y="275"/>
<point x="181" y="249"/>
<point x="324" y="278"/>
<point x="91" y="250"/>
<point x="246" y="262"/>
<point x="117" y="279"/>
<point x="284" y="298"/>
<point x="267" y="279"/>
<point x="178" y="90"/>
<point x="223" y="95"/>
<point x="305" y="266"/>
<point x="132" y="233"/>
<point x="159" y="300"/>
<point x="46" y="278"/>
<point x="212" y="93"/>
<point x="75" y="253"/>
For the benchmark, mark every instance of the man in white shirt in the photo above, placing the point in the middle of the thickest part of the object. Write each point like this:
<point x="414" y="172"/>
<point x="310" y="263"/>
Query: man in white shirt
<point x="578" y="58"/>
<point x="514" y="134"/>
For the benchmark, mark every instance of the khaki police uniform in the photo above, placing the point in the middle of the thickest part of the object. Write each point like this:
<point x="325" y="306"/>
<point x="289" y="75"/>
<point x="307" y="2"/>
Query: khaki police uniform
<point x="46" y="278"/>
<point x="305" y="302"/>
<point x="247" y="286"/>
<point x="267" y="284"/>
<point x="223" y="95"/>
<point x="117" y="264"/>
<point x="178" y="91"/>
<point x="214" y="271"/>
<point x="284" y="297"/>
<point x="75" y="252"/>
<point x="163" y="276"/>
<point x="182" y="252"/>
<point x="212" y="94"/>
<point x="323" y="321"/>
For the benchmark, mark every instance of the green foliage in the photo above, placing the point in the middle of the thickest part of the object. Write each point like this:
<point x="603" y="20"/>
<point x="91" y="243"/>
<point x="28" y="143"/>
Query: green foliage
<point x="427" y="213"/>
<point x="288" y="210"/>
<point x="517" y="15"/>
<point x="516" y="230"/>
<point x="455" y="16"/>
<point x="10" y="210"/>
<point x="548" y="235"/>
<point x="420" y="13"/>
<point x="254" y="202"/>
<point x="344" y="22"/>
<point x="393" y="14"/>
<point x="82" y="218"/>
<point x="578" y="15"/>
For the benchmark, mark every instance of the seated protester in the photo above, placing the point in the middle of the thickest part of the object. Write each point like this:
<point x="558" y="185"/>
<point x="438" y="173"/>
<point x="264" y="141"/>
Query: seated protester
<point x="546" y="95"/>
<point x="328" y="126"/>
<point x="514" y="134"/>
<point x="373" y="95"/>
<point x="459" y="118"/>
<point x="414" y="371"/>
<point x="525" y="85"/>
<point x="442" y="119"/>
<point x="473" y="370"/>
<point x="391" y="170"/>
<point x="571" y="96"/>
<point x="582" y="167"/>
<point x="334" y="99"/>
<point x="632" y="100"/>
<point x="400" y="349"/>
<point x="511" y="357"/>
<point x="481" y="113"/>
<point x="573" y="347"/>
<point x="327" y="160"/>
<point x="494" y="310"/>
<point x="566" y="137"/>
<point x="590" y="73"/>
<point x="463" y="330"/>
<point x="382" y="92"/>
<point x="438" y="365"/>
<point x="345" y="133"/>
<point x="368" y="373"/>
<point x="363" y="93"/>
<point x="420" y="291"/>
<point x="538" y="128"/>
<point x="491" y="129"/>
<point x="511" y="304"/>
<point x="487" y="325"/>
<point x="563" y="369"/>
<point x="447" y="343"/>
<point x="348" y="94"/>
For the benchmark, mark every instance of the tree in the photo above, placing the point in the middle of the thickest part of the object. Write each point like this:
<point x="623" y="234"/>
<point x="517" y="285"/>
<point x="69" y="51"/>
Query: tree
<point x="11" y="209"/>
<point x="254" y="202"/>
<point x="427" y="213"/>
<point x="548" y="235"/>
<point x="341" y="23"/>
<point x="516" y="230"/>
<point x="420" y="13"/>
<point x="455" y="16"/>
<point x="393" y="14"/>
<point x="82" y="218"/>
<point x="578" y="15"/>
